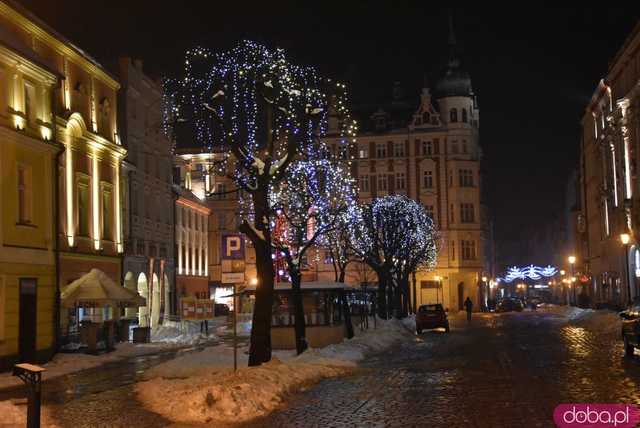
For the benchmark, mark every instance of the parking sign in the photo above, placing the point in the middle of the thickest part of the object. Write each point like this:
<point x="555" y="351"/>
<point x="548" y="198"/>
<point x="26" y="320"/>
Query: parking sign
<point x="232" y="246"/>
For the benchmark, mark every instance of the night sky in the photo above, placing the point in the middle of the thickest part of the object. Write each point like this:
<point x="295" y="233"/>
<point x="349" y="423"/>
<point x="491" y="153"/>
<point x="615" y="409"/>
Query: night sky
<point x="533" y="69"/>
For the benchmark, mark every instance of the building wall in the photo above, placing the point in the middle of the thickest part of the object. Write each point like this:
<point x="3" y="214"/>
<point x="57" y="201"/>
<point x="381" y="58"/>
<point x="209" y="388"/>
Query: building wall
<point x="149" y="204"/>
<point x="608" y="181"/>
<point x="192" y="246"/>
<point x="27" y="163"/>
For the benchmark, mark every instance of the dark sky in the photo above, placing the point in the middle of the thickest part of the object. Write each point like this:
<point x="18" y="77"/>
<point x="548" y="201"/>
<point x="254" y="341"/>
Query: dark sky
<point x="533" y="69"/>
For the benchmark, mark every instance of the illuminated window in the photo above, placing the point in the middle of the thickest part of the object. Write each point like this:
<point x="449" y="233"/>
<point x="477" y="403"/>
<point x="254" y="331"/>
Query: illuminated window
<point x="363" y="153"/>
<point x="24" y="194"/>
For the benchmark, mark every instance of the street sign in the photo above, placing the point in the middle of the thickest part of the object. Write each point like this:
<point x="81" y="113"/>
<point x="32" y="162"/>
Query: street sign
<point x="232" y="246"/>
<point x="232" y="278"/>
<point x="193" y="309"/>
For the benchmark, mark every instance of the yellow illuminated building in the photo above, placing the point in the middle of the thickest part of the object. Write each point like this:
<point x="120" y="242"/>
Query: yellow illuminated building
<point x="79" y="116"/>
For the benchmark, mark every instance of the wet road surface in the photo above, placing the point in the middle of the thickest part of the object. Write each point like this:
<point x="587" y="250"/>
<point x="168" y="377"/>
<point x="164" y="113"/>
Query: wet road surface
<point x="504" y="370"/>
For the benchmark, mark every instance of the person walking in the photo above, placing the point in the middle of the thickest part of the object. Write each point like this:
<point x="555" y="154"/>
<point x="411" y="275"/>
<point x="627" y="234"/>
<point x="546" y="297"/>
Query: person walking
<point x="468" y="306"/>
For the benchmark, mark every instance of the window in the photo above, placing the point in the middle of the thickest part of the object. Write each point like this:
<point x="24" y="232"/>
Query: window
<point x="428" y="179"/>
<point x="464" y="147"/>
<point x="468" y="250"/>
<point x="453" y="250"/>
<point x="363" y="153"/>
<point x="467" y="213"/>
<point x="382" y="183"/>
<point x="106" y="215"/>
<point x="222" y="221"/>
<point x="436" y="143"/>
<point x="451" y="211"/>
<point x="429" y="284"/>
<point x="425" y="117"/>
<point x="398" y="149"/>
<point x="453" y="115"/>
<point x="381" y="150"/>
<point x="427" y="148"/>
<point x="220" y="191"/>
<point x="429" y="211"/>
<point x="24" y="194"/>
<point x="30" y="102"/>
<point x="400" y="181"/>
<point x="364" y="183"/>
<point x="454" y="147"/>
<point x="465" y="177"/>
<point x="83" y="209"/>
<point x="464" y="115"/>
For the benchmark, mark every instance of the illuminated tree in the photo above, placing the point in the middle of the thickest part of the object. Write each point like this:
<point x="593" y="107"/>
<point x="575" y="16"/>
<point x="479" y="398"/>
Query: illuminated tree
<point x="394" y="236"/>
<point x="257" y="113"/>
<point x="310" y="202"/>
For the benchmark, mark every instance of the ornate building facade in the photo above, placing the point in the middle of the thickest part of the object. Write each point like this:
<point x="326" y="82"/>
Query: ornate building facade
<point x="608" y="184"/>
<point x="148" y="201"/>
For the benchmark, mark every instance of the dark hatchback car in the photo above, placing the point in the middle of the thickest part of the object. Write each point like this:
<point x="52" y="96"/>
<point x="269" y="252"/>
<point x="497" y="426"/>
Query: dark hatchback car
<point x="631" y="328"/>
<point x="509" y="305"/>
<point x="430" y="317"/>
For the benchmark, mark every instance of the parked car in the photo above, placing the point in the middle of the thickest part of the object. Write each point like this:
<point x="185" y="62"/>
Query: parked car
<point x="510" y="305"/>
<point x="631" y="328"/>
<point x="220" y="309"/>
<point x="430" y="317"/>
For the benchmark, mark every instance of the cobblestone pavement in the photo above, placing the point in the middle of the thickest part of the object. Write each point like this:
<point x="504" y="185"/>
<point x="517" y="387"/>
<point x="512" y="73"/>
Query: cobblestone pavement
<point x="505" y="370"/>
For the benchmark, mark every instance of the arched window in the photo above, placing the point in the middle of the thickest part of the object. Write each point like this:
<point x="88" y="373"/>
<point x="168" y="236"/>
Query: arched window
<point x="464" y="115"/>
<point x="453" y="114"/>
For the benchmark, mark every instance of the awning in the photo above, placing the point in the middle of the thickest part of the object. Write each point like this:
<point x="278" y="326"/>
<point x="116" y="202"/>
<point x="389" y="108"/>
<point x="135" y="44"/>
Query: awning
<point x="97" y="289"/>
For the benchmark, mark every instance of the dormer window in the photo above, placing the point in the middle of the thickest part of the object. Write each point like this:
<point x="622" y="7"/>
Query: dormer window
<point x="426" y="117"/>
<point x="380" y="123"/>
<point x="453" y="115"/>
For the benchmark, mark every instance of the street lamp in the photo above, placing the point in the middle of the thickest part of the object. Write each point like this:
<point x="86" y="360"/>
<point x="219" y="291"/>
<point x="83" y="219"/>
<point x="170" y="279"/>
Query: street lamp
<point x="625" y="238"/>
<point x="438" y="278"/>
<point x="572" y="261"/>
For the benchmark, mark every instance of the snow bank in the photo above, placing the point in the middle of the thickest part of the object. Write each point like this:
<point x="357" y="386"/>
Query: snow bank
<point x="180" y="333"/>
<point x="243" y="329"/>
<point x="211" y="393"/>
<point x="597" y="320"/>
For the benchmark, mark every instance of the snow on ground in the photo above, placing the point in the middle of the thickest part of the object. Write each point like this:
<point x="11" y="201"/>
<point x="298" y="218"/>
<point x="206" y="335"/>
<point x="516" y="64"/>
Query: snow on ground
<point x="168" y="337"/>
<point x="212" y="393"/>
<point x="243" y="329"/>
<point x="13" y="415"/>
<point x="596" y="320"/>
<point x="181" y="333"/>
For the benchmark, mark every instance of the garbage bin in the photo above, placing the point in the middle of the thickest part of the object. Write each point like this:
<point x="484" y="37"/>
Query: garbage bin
<point x="141" y="335"/>
<point x="123" y="330"/>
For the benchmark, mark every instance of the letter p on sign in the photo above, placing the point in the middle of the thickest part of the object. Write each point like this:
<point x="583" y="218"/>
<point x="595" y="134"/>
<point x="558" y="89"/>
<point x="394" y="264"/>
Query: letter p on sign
<point x="232" y="246"/>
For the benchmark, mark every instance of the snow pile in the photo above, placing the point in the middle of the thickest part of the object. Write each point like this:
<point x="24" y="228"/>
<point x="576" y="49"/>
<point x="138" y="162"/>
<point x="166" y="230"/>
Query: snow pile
<point x="410" y="322"/>
<point x="243" y="329"/>
<point x="180" y="333"/>
<point x="597" y="320"/>
<point x="211" y="393"/>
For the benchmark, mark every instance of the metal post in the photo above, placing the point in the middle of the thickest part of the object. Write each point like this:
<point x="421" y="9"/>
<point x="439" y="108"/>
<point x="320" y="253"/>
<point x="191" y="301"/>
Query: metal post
<point x="235" y="332"/>
<point x="31" y="375"/>
<point x="628" y="278"/>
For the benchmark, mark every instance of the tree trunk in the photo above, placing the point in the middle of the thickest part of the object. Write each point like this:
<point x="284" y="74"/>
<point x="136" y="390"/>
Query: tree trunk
<point x="342" y="275"/>
<point x="382" y="294"/>
<point x="347" y="314"/>
<point x="299" y="322"/>
<point x="405" y="296"/>
<point x="260" y="348"/>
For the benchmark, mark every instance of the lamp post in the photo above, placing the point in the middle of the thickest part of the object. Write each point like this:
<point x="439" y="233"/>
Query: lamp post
<point x="438" y="279"/>
<point x="625" y="238"/>
<point x="562" y="280"/>
<point x="485" y="291"/>
<point x="572" y="261"/>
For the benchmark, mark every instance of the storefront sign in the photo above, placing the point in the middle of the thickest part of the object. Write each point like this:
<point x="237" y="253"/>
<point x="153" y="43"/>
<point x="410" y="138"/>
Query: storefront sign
<point x="233" y="278"/>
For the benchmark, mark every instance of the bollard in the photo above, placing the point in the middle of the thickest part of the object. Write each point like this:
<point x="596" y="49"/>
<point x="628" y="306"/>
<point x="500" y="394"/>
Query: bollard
<point x="31" y="375"/>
